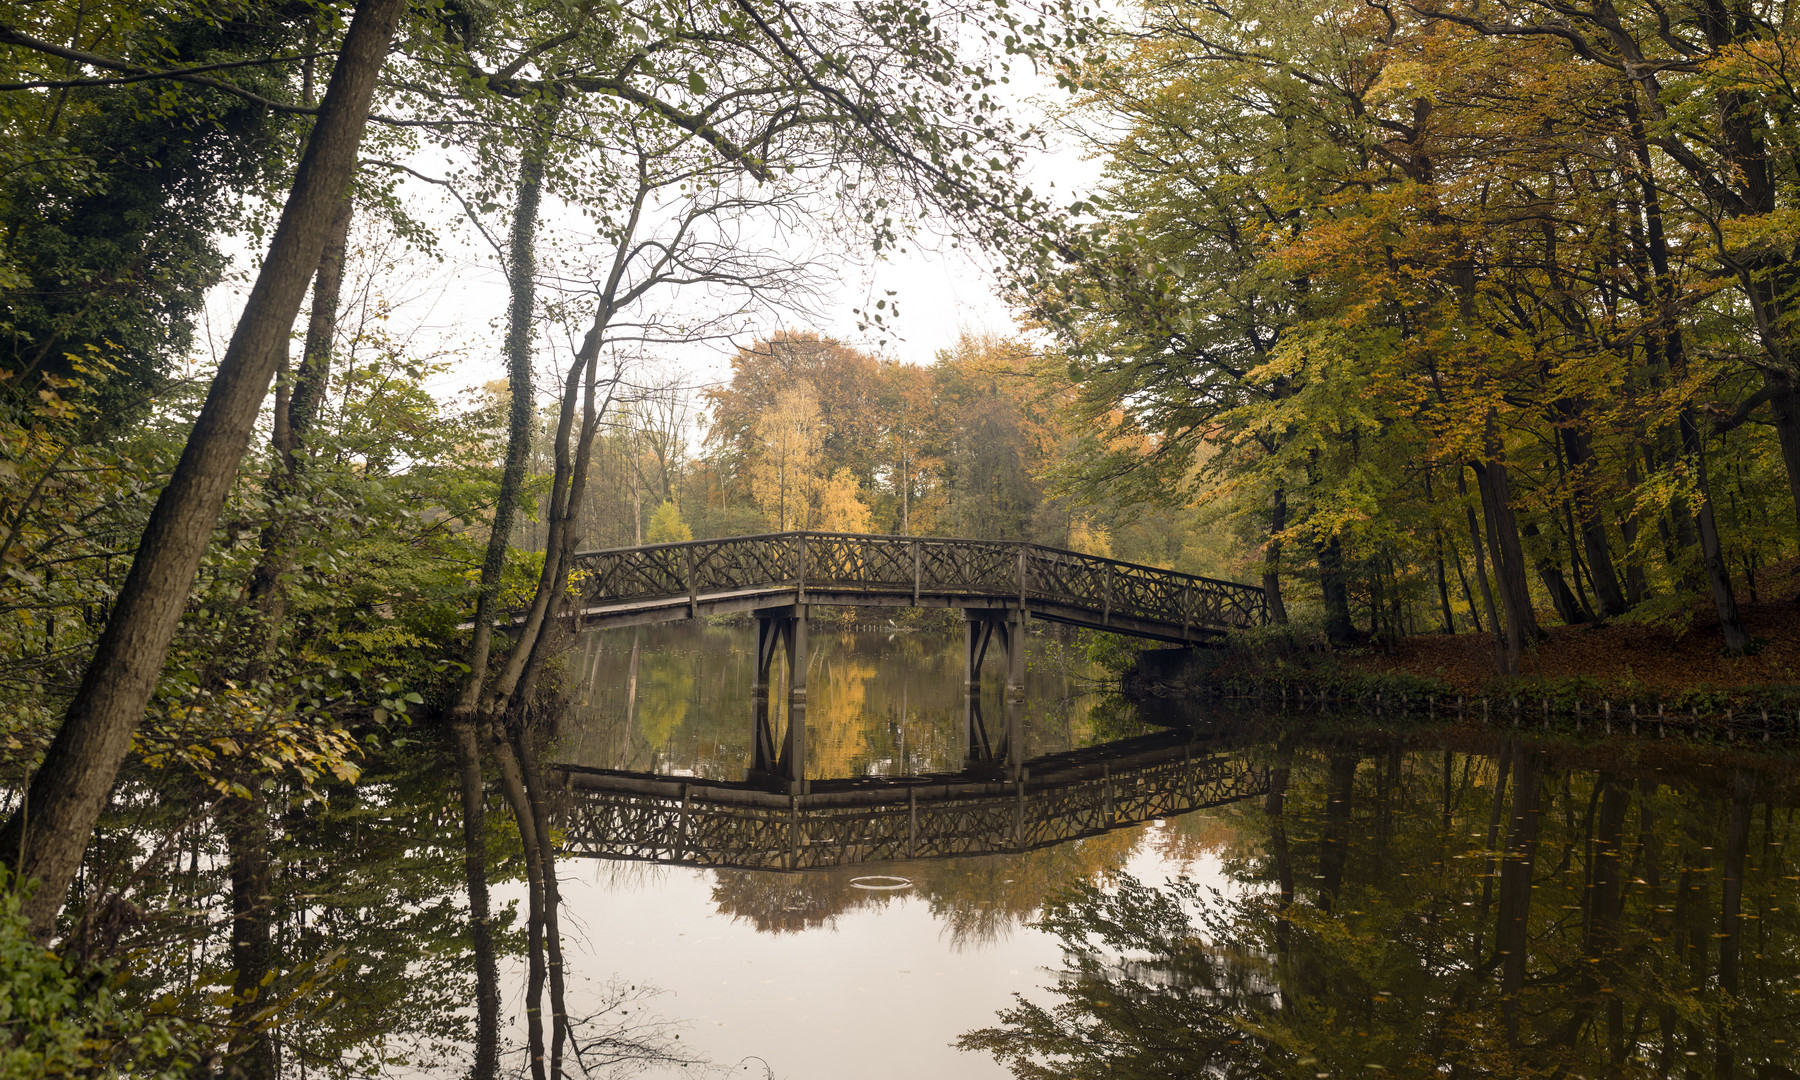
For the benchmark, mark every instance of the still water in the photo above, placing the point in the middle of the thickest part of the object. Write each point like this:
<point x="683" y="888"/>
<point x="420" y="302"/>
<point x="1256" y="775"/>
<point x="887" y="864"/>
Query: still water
<point x="1437" y="903"/>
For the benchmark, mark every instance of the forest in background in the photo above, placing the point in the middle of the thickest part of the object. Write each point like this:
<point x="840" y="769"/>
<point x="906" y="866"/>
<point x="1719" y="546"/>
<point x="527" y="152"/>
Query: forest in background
<point x="1436" y="317"/>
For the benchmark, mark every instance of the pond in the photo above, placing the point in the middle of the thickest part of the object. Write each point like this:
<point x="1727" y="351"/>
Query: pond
<point x="1442" y="901"/>
<point x="1345" y="899"/>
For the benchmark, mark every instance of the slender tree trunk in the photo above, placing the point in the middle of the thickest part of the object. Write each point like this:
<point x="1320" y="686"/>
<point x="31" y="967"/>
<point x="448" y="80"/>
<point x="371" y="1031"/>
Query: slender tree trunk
<point x="1443" y="583"/>
<point x="1785" y="406"/>
<point x="1593" y="526"/>
<point x="1635" y="590"/>
<point x="1481" y="576"/>
<point x="1718" y="575"/>
<point x="1568" y="608"/>
<point x="1463" y="579"/>
<point x="521" y="273"/>
<point x="296" y="409"/>
<point x="46" y="837"/>
<point x="1271" y="577"/>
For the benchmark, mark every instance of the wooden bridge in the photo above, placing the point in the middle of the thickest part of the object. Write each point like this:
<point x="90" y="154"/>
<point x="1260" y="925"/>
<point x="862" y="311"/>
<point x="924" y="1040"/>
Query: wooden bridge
<point x="1000" y="586"/>
<point x="610" y="814"/>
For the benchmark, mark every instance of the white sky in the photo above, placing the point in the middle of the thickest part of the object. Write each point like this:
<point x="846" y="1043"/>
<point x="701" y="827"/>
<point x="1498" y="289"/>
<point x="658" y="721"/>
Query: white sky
<point x="458" y="305"/>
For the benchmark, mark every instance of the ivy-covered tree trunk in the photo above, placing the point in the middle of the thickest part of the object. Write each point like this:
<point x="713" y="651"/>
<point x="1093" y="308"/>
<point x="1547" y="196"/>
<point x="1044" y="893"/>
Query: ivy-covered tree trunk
<point x="521" y="273"/>
<point x="45" y="837"/>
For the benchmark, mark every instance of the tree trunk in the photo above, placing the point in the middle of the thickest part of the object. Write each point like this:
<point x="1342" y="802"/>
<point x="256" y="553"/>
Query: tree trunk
<point x="1593" y="526"/>
<point x="521" y="272"/>
<point x="1718" y="575"/>
<point x="1509" y="560"/>
<point x="1786" y="408"/>
<point x="45" y="838"/>
<point x="1568" y="608"/>
<point x="1487" y="592"/>
<point x="1336" y="593"/>
<point x="296" y="408"/>
<point x="1443" y="584"/>
<point x="1271" y="577"/>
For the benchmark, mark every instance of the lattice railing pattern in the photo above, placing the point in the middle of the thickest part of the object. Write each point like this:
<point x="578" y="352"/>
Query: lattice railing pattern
<point x="972" y="569"/>
<point x="694" y="831"/>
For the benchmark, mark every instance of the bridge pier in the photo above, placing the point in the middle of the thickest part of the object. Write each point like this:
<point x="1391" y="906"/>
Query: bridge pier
<point x="783" y="628"/>
<point x="1004" y="749"/>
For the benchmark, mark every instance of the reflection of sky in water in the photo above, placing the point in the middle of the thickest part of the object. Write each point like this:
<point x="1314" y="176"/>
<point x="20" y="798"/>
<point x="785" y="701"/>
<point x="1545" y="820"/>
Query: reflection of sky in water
<point x="818" y="977"/>
<point x="864" y="985"/>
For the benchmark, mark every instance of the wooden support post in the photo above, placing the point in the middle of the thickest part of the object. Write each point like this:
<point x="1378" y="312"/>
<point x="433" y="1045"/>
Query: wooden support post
<point x="912" y="821"/>
<point x="915" y="547"/>
<point x="1014" y="747"/>
<point x="1106" y="597"/>
<point x="793" y="751"/>
<point x="762" y="738"/>
<point x="800" y="564"/>
<point x="1023" y="548"/>
<point x="687" y="561"/>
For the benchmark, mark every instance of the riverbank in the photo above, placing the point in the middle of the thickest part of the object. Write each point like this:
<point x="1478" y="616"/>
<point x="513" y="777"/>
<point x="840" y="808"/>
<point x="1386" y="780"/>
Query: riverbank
<point x="1575" y="672"/>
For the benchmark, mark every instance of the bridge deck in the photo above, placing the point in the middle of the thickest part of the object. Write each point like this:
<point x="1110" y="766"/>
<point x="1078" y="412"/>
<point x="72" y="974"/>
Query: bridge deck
<point x="668" y="582"/>
<point x="693" y="822"/>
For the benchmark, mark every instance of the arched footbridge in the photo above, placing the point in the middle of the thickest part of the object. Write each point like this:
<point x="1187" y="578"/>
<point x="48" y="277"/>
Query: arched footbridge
<point x="999" y="585"/>
<point x="667" y="582"/>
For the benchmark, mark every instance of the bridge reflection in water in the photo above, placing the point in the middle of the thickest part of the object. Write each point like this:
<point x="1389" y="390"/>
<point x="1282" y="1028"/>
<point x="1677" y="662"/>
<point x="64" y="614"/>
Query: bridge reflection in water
<point x="610" y="814"/>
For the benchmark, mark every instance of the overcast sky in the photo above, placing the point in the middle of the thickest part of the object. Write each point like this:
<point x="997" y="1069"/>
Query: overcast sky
<point x="455" y="306"/>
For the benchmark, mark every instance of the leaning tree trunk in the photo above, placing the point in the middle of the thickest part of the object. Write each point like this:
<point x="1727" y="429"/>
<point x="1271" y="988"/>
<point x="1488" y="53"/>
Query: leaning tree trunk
<point x="45" y="838"/>
<point x="1509" y="559"/>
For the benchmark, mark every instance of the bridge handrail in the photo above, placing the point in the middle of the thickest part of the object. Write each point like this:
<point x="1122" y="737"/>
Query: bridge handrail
<point x="1000" y="568"/>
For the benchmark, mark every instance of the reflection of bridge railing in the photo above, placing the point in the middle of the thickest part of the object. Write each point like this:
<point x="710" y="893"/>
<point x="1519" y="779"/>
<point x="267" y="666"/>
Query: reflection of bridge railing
<point x="669" y="581"/>
<point x="616" y="815"/>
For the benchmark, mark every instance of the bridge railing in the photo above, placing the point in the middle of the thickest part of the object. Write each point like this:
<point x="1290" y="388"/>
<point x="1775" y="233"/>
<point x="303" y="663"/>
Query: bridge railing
<point x="928" y="566"/>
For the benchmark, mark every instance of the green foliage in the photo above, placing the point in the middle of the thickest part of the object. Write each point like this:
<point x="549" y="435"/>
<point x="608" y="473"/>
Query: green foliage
<point x="61" y="1021"/>
<point x="666" y="526"/>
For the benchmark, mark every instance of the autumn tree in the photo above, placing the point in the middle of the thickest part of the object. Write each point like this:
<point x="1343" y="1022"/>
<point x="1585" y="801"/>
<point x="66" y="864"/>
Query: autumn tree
<point x="786" y="471"/>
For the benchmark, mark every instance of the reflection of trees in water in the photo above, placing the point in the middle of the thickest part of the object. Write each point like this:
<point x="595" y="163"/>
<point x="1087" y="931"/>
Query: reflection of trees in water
<point x="363" y="900"/>
<point x="676" y="698"/>
<point x="979" y="900"/>
<point x="1434" y="913"/>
